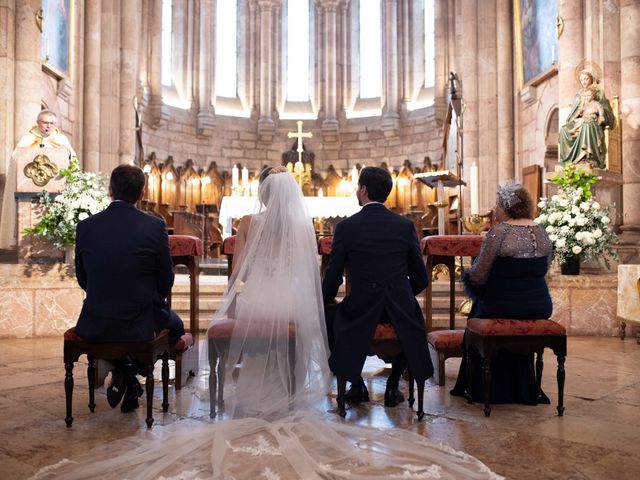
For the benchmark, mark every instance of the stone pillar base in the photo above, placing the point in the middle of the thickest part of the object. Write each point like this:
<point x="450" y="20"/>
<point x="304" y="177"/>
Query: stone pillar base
<point x="629" y="247"/>
<point x="205" y="123"/>
<point x="266" y="128"/>
<point x="330" y="130"/>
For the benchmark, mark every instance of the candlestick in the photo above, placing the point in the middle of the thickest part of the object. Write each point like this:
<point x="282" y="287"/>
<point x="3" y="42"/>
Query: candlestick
<point x="354" y="177"/>
<point x="320" y="192"/>
<point x="473" y="186"/>
<point x="245" y="177"/>
<point x="234" y="177"/>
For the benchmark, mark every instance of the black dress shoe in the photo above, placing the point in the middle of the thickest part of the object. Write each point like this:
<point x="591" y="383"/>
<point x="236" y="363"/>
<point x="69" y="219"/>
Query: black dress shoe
<point x="116" y="390"/>
<point x="358" y="393"/>
<point x="133" y="392"/>
<point x="393" y="397"/>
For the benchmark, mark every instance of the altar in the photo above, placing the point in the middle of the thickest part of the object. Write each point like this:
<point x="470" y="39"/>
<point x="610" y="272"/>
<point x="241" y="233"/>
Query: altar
<point x="319" y="207"/>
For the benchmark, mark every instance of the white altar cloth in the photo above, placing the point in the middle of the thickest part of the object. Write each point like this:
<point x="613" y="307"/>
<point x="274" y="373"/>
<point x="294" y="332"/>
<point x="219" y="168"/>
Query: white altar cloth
<point x="319" y="207"/>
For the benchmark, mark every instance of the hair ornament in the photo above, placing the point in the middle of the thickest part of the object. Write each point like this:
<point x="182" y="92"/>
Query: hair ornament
<point x="508" y="194"/>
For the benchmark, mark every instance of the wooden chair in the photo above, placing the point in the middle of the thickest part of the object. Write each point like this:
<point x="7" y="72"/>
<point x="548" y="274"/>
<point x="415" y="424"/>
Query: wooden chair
<point x="219" y="336"/>
<point x="144" y="352"/>
<point x="489" y="336"/>
<point x="444" y="344"/>
<point x="228" y="248"/>
<point x="385" y="345"/>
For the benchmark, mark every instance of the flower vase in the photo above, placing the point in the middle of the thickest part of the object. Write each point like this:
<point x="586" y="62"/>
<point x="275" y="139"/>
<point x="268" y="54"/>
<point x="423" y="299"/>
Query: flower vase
<point x="571" y="266"/>
<point x="69" y="254"/>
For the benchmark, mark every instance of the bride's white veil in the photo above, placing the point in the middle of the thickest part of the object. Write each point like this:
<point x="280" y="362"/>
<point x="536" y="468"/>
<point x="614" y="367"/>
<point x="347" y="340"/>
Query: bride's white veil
<point x="277" y="353"/>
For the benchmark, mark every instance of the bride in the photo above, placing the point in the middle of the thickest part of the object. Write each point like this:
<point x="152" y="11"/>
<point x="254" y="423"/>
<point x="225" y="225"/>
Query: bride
<point x="273" y="425"/>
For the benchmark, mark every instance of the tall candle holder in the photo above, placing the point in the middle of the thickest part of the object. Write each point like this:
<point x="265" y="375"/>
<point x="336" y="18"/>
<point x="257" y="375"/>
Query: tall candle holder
<point x="475" y="224"/>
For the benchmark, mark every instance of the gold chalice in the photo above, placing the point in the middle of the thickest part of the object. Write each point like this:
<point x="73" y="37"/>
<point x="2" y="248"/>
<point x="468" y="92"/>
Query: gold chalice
<point x="475" y="224"/>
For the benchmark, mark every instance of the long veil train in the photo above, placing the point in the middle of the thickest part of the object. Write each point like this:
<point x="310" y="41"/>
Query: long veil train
<point x="272" y="427"/>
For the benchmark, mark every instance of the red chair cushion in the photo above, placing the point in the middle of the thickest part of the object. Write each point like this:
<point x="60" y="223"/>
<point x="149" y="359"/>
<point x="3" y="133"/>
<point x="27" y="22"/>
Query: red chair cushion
<point x="446" y="339"/>
<point x="385" y="331"/>
<point x="229" y="245"/>
<point x="488" y="326"/>
<point x="71" y="335"/>
<point x="185" y="246"/>
<point x="324" y="245"/>
<point x="452" y="245"/>
<point x="223" y="328"/>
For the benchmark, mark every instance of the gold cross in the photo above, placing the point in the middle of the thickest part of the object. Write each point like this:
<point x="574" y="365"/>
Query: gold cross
<point x="299" y="135"/>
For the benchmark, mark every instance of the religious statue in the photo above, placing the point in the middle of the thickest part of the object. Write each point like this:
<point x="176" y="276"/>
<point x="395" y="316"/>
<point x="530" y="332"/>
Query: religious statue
<point x="581" y="138"/>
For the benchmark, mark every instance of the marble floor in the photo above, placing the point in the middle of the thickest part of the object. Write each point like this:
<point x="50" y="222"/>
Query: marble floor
<point x="599" y="436"/>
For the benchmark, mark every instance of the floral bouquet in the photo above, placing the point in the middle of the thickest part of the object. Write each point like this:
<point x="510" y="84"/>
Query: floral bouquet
<point x="84" y="194"/>
<point x="578" y="226"/>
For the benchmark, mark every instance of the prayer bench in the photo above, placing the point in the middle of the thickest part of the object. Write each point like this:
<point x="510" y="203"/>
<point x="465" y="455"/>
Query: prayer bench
<point x="489" y="336"/>
<point x="385" y="345"/>
<point x="444" y="344"/>
<point x="144" y="352"/>
<point x="219" y="335"/>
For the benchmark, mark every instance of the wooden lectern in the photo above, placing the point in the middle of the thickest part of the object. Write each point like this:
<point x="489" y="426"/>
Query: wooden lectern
<point x="439" y="180"/>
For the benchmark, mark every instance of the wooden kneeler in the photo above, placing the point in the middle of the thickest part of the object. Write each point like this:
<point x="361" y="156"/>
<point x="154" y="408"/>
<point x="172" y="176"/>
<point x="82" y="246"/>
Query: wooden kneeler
<point x="144" y="352"/>
<point x="385" y="345"/>
<point x="489" y="336"/>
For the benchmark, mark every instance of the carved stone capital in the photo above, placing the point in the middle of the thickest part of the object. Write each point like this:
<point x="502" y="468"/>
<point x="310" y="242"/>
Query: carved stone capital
<point x="329" y="5"/>
<point x="330" y="130"/>
<point x="390" y="124"/>
<point x="266" y="128"/>
<point x="267" y="5"/>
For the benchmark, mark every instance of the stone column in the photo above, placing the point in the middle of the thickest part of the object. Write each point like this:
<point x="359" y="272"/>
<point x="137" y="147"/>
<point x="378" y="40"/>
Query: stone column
<point x="251" y="81"/>
<point x="92" y="59"/>
<point x="630" y="117"/>
<point x="390" y="116"/>
<point x="330" y="126"/>
<point x="468" y="70"/>
<point x="206" y="121"/>
<point x="570" y="53"/>
<point x="488" y="93"/>
<point x="130" y="19"/>
<point x="157" y="115"/>
<point x="7" y="85"/>
<point x="266" y="125"/>
<point x="504" y="40"/>
<point x="28" y="72"/>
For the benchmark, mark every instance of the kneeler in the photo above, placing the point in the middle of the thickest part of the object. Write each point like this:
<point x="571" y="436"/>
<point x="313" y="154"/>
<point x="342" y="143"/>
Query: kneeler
<point x="144" y="352"/>
<point x="385" y="345"/>
<point x="489" y="336"/>
<point x="218" y="337"/>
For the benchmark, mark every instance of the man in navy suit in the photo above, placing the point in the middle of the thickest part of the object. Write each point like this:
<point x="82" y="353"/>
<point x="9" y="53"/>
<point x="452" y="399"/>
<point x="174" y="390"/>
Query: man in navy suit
<point x="381" y="253"/>
<point x="124" y="266"/>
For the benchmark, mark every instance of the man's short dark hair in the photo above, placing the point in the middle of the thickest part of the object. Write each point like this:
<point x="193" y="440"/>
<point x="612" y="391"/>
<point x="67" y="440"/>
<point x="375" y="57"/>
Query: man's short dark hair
<point x="378" y="182"/>
<point x="127" y="183"/>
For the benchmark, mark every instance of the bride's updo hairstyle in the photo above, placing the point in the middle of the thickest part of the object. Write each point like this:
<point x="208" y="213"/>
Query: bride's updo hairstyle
<point x="264" y="189"/>
<point x="514" y="199"/>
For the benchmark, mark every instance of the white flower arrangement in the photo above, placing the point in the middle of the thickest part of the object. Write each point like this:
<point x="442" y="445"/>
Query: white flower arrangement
<point x="84" y="194"/>
<point x="577" y="226"/>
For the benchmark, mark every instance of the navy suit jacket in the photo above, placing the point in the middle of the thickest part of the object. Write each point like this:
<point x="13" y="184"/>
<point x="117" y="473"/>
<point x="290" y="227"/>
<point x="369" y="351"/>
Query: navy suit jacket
<point x="124" y="266"/>
<point x="381" y="253"/>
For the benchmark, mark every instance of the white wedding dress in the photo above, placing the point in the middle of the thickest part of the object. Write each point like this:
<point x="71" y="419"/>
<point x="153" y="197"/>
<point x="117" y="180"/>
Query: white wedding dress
<point x="273" y="426"/>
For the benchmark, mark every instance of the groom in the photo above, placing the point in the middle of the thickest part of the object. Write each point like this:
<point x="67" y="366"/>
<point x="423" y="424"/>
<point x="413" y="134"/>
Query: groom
<point x="381" y="254"/>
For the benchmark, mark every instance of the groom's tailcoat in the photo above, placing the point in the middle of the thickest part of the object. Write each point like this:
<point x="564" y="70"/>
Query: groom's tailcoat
<point x="381" y="253"/>
<point x="124" y="265"/>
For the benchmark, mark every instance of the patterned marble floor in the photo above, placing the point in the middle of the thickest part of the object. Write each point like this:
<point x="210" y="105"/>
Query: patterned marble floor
<point x="599" y="436"/>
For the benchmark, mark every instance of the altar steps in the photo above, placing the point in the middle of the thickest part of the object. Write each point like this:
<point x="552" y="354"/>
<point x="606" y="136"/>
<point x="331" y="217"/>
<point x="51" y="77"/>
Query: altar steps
<point x="212" y="289"/>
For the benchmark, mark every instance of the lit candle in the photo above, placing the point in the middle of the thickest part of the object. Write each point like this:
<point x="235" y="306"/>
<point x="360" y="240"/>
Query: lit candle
<point x="234" y="177"/>
<point x="254" y="187"/>
<point x="320" y="192"/>
<point x="245" y="177"/>
<point x="354" y="177"/>
<point x="473" y="186"/>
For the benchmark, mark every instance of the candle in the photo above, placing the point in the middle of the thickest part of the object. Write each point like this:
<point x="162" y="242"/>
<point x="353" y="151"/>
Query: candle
<point x="234" y="177"/>
<point x="245" y="177"/>
<point x="320" y="192"/>
<point x="553" y="54"/>
<point x="473" y="186"/>
<point x="254" y="187"/>
<point x="354" y="177"/>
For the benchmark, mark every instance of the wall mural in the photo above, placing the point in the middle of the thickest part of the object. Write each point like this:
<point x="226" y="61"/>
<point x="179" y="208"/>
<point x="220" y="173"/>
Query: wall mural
<point x="54" y="39"/>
